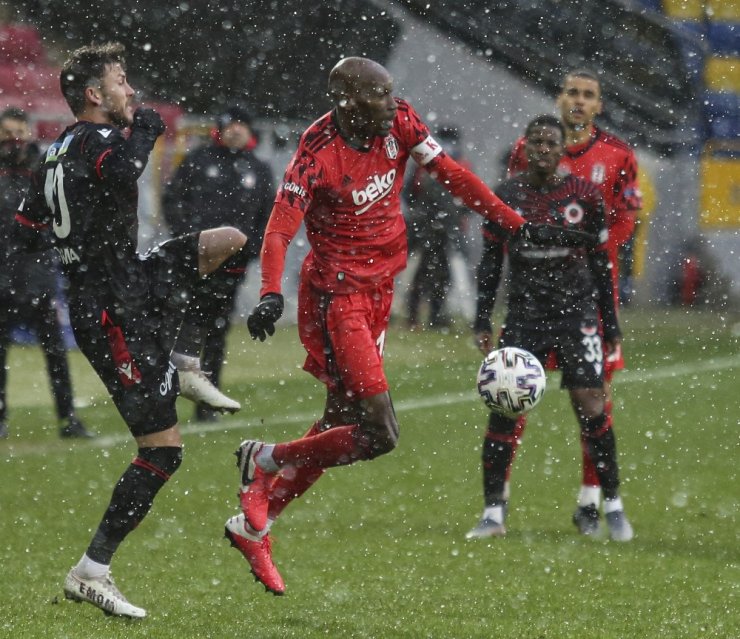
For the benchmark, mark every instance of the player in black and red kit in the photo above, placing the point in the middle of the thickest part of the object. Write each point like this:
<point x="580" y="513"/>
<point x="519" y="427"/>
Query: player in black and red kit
<point x="125" y="308"/>
<point x="344" y="183"/>
<point x="556" y="297"/>
<point x="602" y="158"/>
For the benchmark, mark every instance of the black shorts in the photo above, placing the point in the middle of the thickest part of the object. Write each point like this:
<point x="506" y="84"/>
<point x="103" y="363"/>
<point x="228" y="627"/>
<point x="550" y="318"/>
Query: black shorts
<point x="129" y="346"/>
<point x="576" y="343"/>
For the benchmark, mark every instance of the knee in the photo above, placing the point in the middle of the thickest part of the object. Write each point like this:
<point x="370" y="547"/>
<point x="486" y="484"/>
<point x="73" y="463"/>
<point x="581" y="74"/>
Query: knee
<point x="594" y="426"/>
<point x="162" y="460"/>
<point x="500" y="425"/>
<point x="381" y="438"/>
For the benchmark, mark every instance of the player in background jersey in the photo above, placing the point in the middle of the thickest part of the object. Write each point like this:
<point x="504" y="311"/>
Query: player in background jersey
<point x="125" y="308"/>
<point x="344" y="184"/>
<point x="608" y="162"/>
<point x="556" y="296"/>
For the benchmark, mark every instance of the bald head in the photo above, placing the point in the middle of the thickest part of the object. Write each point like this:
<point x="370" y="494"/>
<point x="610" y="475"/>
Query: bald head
<point x="362" y="91"/>
<point x="351" y="76"/>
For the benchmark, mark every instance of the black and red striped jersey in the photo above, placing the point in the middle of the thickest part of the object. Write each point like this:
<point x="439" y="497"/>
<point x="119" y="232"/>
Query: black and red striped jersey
<point x="547" y="283"/>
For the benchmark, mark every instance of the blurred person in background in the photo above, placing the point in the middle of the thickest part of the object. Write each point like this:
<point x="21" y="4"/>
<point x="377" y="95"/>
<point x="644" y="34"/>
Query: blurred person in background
<point x="608" y="162"/>
<point x="29" y="284"/>
<point x="435" y="220"/>
<point x="222" y="184"/>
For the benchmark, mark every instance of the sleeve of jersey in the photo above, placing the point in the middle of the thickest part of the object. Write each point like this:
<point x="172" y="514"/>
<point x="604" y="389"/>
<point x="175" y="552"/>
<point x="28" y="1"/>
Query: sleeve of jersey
<point x="124" y="160"/>
<point x="281" y="228"/>
<point x="30" y="231"/>
<point x="488" y="276"/>
<point x="473" y="192"/>
<point x="602" y="268"/>
<point x="627" y="202"/>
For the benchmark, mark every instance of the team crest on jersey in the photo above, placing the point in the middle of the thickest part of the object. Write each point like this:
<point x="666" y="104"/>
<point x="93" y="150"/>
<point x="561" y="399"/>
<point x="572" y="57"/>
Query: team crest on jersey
<point x="598" y="173"/>
<point x="573" y="212"/>
<point x="391" y="147"/>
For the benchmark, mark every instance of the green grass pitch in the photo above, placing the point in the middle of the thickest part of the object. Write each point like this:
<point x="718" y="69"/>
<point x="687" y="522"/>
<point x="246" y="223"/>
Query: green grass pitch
<point x="378" y="549"/>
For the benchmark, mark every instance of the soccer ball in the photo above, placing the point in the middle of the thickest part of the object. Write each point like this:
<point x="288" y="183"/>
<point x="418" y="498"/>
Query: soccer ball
<point x="511" y="381"/>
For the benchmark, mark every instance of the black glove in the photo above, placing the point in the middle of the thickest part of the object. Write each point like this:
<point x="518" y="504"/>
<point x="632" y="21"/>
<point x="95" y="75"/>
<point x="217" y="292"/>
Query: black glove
<point x="149" y="120"/>
<point x="261" y="321"/>
<point x="550" y="235"/>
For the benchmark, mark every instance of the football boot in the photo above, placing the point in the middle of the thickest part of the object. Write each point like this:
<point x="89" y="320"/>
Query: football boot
<point x="195" y="386"/>
<point x="102" y="593"/>
<point x="257" y="552"/>
<point x="255" y="489"/>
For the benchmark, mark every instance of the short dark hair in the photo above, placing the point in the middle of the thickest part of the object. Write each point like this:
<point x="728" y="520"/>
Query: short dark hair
<point x="580" y="72"/>
<point x="545" y="120"/>
<point x="85" y="65"/>
<point x="234" y="113"/>
<point x="14" y="113"/>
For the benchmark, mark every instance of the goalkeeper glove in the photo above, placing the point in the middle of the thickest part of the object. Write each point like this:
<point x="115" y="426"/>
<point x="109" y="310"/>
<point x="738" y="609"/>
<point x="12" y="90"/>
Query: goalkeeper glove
<point x="261" y="321"/>
<point x="550" y="235"/>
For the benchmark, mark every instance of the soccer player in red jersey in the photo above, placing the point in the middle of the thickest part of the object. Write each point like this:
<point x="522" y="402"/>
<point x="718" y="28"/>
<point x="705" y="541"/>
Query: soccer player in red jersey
<point x="344" y="184"/>
<point x="610" y="164"/>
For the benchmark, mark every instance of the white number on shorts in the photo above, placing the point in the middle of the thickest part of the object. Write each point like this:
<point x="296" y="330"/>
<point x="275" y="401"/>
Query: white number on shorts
<point x="593" y="349"/>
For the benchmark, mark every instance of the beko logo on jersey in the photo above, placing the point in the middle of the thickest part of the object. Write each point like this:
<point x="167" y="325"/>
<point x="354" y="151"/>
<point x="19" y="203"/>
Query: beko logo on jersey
<point x="292" y="187"/>
<point x="378" y="188"/>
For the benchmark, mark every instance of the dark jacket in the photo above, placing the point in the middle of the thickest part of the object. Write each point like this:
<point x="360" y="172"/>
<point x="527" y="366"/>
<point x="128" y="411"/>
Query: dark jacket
<point x="24" y="276"/>
<point x="215" y="186"/>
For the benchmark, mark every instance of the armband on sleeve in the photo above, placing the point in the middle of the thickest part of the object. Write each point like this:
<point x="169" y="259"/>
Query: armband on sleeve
<point x="426" y="151"/>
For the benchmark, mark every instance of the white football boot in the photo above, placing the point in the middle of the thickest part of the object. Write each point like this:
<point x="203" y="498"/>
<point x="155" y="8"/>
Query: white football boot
<point x="195" y="386"/>
<point x="100" y="592"/>
<point x="619" y="526"/>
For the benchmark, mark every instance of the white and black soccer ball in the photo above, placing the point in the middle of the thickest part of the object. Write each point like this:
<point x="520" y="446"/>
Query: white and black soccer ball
<point x="511" y="381"/>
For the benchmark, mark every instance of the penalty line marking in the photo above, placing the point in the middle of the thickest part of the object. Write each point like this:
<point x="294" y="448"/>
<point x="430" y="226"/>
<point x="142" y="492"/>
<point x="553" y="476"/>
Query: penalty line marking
<point x="624" y="377"/>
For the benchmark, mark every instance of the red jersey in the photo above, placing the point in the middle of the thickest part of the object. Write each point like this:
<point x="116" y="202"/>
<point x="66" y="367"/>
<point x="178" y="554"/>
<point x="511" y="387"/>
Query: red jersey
<point x="611" y="165"/>
<point x="349" y="200"/>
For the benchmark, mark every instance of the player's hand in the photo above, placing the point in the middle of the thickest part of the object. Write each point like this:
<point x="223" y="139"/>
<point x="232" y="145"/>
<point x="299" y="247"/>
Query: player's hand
<point x="612" y="348"/>
<point x="550" y="235"/>
<point x="150" y="120"/>
<point x="483" y="335"/>
<point x="483" y="341"/>
<point x="261" y="321"/>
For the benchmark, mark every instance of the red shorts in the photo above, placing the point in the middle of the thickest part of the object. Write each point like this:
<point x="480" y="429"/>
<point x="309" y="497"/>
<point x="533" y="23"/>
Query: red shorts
<point x="343" y="335"/>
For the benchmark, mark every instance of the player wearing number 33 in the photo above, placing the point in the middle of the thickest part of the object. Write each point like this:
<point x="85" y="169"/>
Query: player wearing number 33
<point x="556" y="296"/>
<point x="125" y="308"/>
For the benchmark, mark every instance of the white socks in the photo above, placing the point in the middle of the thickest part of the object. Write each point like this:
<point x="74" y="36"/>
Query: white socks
<point x="589" y="496"/>
<point x="185" y="362"/>
<point x="612" y="505"/>
<point x="264" y="459"/>
<point x="496" y="513"/>
<point x="89" y="569"/>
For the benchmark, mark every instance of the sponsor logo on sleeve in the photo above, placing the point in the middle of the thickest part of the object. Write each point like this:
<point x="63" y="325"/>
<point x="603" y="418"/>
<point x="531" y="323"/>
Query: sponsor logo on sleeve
<point x="292" y="187"/>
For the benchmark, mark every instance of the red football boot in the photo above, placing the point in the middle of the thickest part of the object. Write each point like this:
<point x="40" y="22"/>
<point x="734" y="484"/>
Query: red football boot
<point x="255" y="489"/>
<point x="257" y="552"/>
